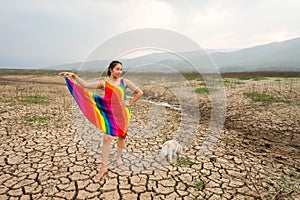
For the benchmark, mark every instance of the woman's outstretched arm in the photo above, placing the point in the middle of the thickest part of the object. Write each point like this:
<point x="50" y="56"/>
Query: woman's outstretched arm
<point x="90" y="85"/>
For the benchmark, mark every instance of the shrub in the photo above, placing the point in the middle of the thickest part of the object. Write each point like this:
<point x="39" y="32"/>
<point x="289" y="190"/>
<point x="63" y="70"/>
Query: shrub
<point x="35" y="100"/>
<point x="261" y="97"/>
<point x="204" y="90"/>
<point x="254" y="78"/>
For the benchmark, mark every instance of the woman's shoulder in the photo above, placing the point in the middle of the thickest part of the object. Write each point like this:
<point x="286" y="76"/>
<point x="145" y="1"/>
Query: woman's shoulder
<point x="101" y="83"/>
<point x="126" y="81"/>
<point x="130" y="84"/>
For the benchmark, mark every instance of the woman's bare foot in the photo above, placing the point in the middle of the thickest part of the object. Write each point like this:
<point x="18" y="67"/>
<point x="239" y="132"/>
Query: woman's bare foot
<point x="102" y="172"/>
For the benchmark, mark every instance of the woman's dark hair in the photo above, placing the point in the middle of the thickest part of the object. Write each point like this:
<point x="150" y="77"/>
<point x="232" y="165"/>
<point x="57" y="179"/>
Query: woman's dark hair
<point x="112" y="65"/>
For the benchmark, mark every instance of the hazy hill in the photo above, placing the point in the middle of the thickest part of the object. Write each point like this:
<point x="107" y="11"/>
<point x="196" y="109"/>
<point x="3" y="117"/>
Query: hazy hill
<point x="274" y="56"/>
<point x="277" y="56"/>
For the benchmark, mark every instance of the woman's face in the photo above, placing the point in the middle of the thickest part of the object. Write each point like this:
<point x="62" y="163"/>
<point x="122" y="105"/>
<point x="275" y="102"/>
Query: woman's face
<point x="116" y="72"/>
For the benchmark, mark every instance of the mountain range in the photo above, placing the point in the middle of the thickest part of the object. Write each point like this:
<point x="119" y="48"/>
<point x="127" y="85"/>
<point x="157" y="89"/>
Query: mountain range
<point x="276" y="56"/>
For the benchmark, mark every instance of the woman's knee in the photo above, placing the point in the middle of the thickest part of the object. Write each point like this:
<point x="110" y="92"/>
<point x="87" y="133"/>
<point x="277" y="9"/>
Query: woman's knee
<point x="108" y="138"/>
<point x="121" y="142"/>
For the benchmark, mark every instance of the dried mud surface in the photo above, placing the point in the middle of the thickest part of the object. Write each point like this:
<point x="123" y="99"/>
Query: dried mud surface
<point x="257" y="156"/>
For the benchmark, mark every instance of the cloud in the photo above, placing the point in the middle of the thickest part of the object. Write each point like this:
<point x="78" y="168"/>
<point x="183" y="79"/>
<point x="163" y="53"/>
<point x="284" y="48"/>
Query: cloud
<point x="145" y="14"/>
<point x="238" y="24"/>
<point x="72" y="29"/>
<point x="47" y="27"/>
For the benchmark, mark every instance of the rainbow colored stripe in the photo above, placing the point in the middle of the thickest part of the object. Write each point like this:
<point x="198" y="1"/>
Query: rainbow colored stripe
<point x="106" y="113"/>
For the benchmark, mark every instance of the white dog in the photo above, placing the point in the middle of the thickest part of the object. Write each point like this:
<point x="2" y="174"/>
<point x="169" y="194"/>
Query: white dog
<point x="171" y="149"/>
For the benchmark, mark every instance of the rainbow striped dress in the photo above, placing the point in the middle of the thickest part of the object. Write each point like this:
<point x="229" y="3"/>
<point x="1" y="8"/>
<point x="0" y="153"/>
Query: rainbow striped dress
<point x="106" y="112"/>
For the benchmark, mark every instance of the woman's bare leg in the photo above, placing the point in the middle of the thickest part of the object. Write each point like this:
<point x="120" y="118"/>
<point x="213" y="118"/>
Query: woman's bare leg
<point x="105" y="155"/>
<point x="120" y="146"/>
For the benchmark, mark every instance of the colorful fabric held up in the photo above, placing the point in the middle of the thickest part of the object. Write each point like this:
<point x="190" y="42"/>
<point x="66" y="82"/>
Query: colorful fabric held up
<point x="106" y="113"/>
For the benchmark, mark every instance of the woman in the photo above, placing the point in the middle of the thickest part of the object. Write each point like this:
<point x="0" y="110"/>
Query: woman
<point x="115" y="97"/>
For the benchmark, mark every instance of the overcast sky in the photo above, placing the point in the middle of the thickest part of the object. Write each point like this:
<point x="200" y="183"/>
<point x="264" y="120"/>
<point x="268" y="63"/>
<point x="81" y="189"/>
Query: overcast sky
<point x="68" y="30"/>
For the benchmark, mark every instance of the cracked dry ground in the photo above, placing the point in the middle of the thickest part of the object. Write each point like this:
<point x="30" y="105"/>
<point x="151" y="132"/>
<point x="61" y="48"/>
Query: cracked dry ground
<point x="256" y="157"/>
